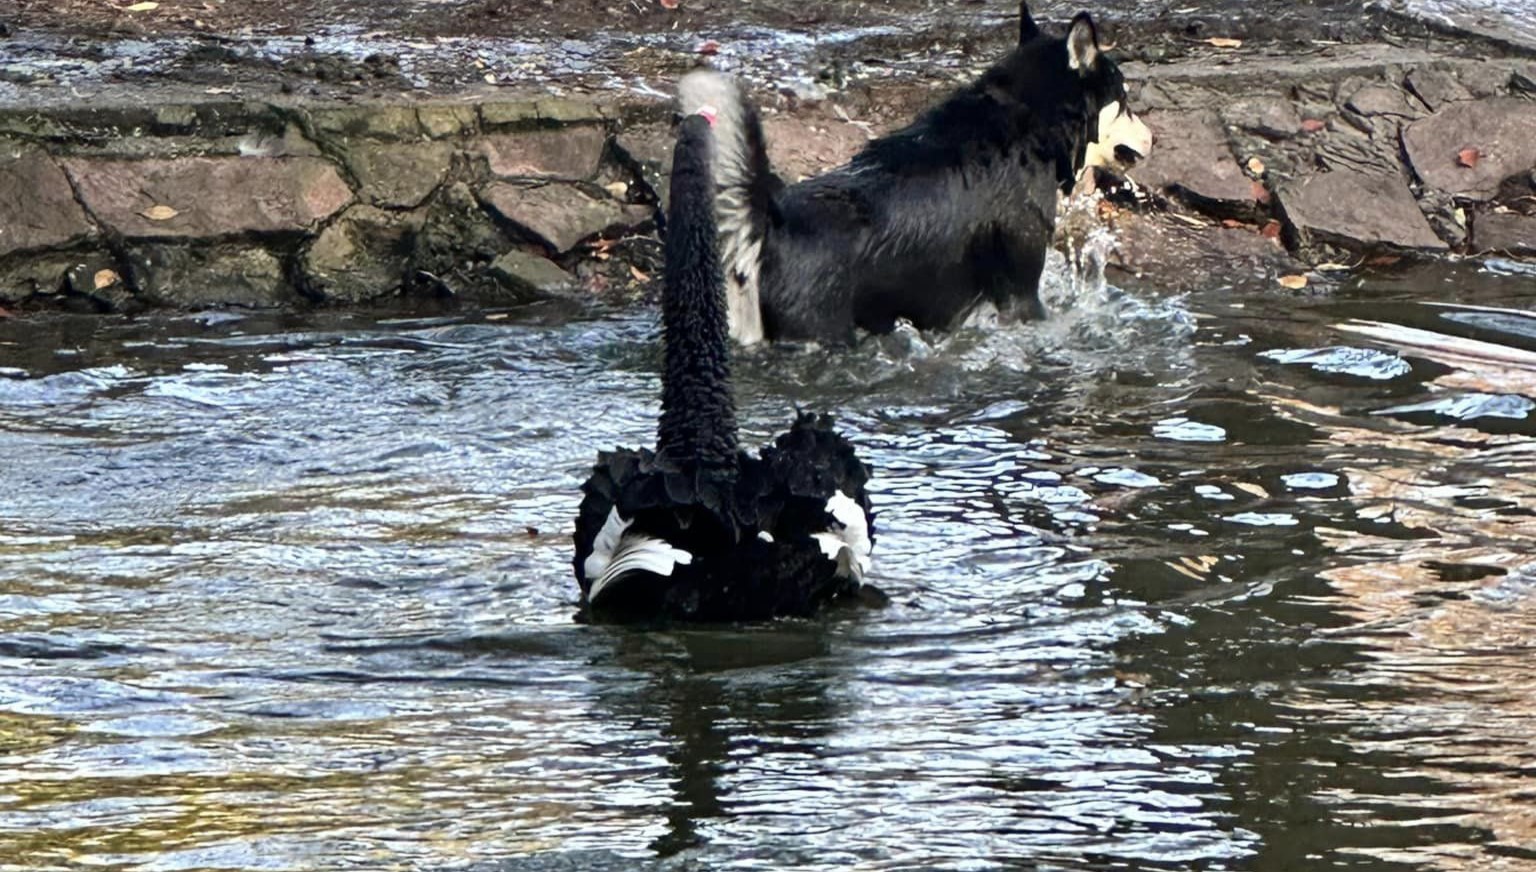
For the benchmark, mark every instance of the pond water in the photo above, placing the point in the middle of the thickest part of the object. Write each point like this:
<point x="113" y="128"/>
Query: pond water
<point x="1235" y="580"/>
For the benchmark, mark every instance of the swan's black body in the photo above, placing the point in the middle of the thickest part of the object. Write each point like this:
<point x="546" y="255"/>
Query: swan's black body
<point x="955" y="210"/>
<point x="698" y="529"/>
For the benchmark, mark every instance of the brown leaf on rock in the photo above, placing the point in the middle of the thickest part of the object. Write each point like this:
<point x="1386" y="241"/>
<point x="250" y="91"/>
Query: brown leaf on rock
<point x="104" y="278"/>
<point x="1313" y="125"/>
<point x="160" y="213"/>
<point x="1256" y="166"/>
<point x="1260" y="193"/>
<point x="640" y="275"/>
<point x="1294" y="283"/>
<point x="1468" y="157"/>
<point x="669" y="4"/>
<point x="1270" y="230"/>
<point x="710" y="47"/>
<point x="1224" y="42"/>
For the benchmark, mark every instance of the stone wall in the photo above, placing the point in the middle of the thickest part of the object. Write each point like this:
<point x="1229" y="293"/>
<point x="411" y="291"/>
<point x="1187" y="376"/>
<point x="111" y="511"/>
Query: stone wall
<point x="268" y="204"/>
<point x="1356" y="150"/>
<point x="1272" y="161"/>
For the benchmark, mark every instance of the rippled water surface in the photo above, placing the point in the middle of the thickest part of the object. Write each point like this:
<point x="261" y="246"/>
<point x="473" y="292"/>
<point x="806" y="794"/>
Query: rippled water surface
<point x="1228" y="581"/>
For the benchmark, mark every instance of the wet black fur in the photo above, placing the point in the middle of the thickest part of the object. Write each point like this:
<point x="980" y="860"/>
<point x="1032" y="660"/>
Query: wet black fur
<point x="699" y="492"/>
<point x="928" y="221"/>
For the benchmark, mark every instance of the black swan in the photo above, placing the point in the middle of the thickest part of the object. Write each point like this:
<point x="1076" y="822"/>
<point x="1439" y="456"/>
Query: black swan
<point x="699" y="530"/>
<point x="954" y="211"/>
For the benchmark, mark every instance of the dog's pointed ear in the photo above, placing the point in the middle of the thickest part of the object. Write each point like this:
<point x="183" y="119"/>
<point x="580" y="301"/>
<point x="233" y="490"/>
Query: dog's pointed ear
<point x="1028" y="30"/>
<point x="1083" y="44"/>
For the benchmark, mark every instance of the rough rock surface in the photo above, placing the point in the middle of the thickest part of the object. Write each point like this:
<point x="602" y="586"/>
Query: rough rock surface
<point x="1508" y="232"/>
<point x="399" y="176"/>
<point x="209" y="198"/>
<point x="1357" y="210"/>
<point x="1269" y="116"/>
<point x="362" y="256"/>
<point x="198" y="276"/>
<point x="1379" y="99"/>
<point x="560" y="215"/>
<point x="458" y="241"/>
<point x="41" y="275"/>
<point x="38" y="208"/>
<point x="1171" y="254"/>
<point x="566" y="153"/>
<point x="1192" y="159"/>
<point x="531" y="274"/>
<point x="1501" y="130"/>
<point x="1436" y="88"/>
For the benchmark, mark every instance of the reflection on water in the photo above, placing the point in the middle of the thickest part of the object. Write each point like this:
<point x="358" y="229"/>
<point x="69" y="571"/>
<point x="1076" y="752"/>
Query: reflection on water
<point x="1208" y="583"/>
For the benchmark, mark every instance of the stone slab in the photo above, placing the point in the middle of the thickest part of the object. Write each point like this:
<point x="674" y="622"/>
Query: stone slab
<point x="1502" y="130"/>
<point x="530" y="273"/>
<point x="566" y="153"/>
<point x="560" y="215"/>
<point x="1509" y="232"/>
<point x="1191" y="155"/>
<point x="38" y="209"/>
<point x="399" y="175"/>
<point x="211" y="197"/>
<point x="1364" y="210"/>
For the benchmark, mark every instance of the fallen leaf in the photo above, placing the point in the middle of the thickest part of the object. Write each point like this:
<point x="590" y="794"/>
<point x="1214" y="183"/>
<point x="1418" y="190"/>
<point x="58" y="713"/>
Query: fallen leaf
<point x="1384" y="260"/>
<point x="669" y="4"/>
<point x="104" y="278"/>
<point x="160" y="213"/>
<point x="1260" y="193"/>
<point x="1333" y="267"/>
<point x="146" y="6"/>
<point x="490" y="78"/>
<point x="1249" y="488"/>
<point x="1295" y="283"/>
<point x="1270" y="230"/>
<point x="617" y="190"/>
<point x="1255" y="166"/>
<point x="639" y="275"/>
<point x="1313" y="125"/>
<point x="1225" y="42"/>
<point x="1188" y="219"/>
<point x="1231" y="223"/>
<point x="709" y="48"/>
<point x="1468" y="157"/>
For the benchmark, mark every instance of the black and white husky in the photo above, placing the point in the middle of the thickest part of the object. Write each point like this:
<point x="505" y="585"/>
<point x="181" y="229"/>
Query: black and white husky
<point x="953" y="211"/>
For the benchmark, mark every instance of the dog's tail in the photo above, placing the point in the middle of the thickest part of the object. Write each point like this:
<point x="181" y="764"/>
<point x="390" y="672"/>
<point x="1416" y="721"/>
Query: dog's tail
<point x="745" y="187"/>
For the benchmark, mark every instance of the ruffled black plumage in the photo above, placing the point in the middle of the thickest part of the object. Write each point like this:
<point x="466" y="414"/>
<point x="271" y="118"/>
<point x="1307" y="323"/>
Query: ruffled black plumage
<point x="698" y="529"/>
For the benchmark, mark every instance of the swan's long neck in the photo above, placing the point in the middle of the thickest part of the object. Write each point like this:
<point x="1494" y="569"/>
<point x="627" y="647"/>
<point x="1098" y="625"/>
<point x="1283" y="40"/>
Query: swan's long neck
<point x="698" y="412"/>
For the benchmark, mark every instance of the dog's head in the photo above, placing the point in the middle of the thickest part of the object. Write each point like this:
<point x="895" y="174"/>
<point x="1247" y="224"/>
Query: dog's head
<point x="1071" y="81"/>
